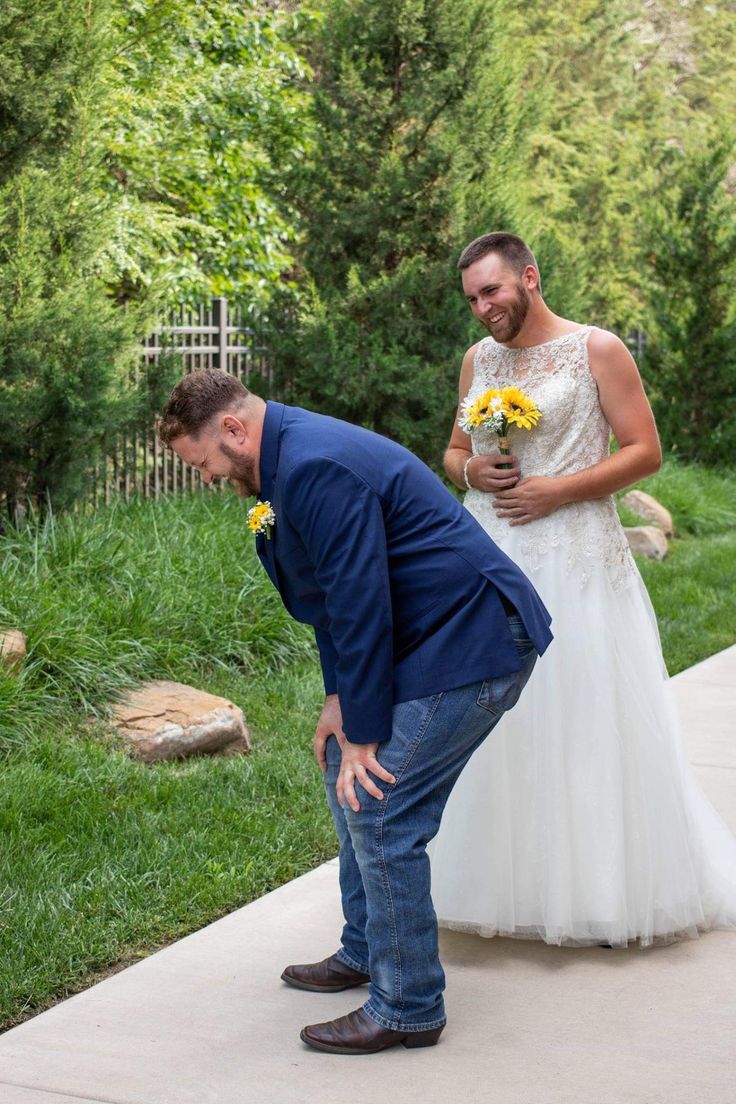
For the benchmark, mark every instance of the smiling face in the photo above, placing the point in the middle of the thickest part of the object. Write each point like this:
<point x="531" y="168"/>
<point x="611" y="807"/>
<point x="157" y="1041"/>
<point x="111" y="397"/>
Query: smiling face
<point x="498" y="296"/>
<point x="222" y="450"/>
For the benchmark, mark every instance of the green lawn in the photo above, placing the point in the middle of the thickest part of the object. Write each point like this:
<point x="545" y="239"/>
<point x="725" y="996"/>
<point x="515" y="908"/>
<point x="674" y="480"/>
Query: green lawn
<point x="104" y="859"/>
<point x="693" y="590"/>
<point x="694" y="595"/>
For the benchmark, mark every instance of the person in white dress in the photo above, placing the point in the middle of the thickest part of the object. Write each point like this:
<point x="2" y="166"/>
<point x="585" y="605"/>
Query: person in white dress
<point x="579" y="821"/>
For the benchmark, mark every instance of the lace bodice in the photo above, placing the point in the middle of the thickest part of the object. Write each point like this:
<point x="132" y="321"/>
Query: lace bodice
<point x="572" y="434"/>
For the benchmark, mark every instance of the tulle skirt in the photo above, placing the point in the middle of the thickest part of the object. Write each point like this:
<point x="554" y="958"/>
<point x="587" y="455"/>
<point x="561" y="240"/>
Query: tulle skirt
<point x="579" y="820"/>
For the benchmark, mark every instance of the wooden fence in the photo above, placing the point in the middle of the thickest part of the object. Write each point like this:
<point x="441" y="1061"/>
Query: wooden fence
<point x="218" y="336"/>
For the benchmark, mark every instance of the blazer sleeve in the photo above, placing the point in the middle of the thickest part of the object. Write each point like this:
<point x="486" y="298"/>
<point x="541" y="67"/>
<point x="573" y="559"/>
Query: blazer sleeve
<point x="340" y="521"/>
<point x="328" y="660"/>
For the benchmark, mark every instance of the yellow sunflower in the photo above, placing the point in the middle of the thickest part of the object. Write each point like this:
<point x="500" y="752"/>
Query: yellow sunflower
<point x="477" y="412"/>
<point x="519" y="409"/>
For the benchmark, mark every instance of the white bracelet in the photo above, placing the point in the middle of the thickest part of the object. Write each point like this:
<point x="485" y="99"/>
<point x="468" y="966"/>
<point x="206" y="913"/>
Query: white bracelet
<point x="465" y="473"/>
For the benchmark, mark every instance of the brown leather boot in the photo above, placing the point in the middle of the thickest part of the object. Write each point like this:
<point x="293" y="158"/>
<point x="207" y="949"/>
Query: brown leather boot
<point x="357" y="1033"/>
<point x="328" y="976"/>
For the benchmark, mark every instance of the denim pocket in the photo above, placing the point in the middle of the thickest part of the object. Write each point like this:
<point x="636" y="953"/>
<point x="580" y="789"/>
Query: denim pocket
<point x="497" y="695"/>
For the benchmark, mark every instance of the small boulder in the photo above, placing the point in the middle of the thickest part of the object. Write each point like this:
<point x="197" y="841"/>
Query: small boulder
<point x="646" y="507"/>
<point x="168" y="720"/>
<point x="12" y="647"/>
<point x="647" y="540"/>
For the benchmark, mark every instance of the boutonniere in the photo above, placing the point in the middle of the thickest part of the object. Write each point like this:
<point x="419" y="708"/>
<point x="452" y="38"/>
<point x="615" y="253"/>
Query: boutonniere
<point x="260" y="518"/>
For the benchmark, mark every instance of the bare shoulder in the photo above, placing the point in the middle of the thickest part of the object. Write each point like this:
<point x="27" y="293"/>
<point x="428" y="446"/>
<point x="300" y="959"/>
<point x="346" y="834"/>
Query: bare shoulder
<point x="607" y="354"/>
<point x="603" y="341"/>
<point x="466" y="370"/>
<point x="470" y="354"/>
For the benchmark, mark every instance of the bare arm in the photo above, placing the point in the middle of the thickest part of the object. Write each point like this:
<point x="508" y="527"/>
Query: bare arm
<point x="629" y="415"/>
<point x="484" y="473"/>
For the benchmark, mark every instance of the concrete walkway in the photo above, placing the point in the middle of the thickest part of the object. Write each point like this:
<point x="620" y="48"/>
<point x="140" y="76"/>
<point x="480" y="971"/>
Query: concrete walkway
<point x="207" y="1020"/>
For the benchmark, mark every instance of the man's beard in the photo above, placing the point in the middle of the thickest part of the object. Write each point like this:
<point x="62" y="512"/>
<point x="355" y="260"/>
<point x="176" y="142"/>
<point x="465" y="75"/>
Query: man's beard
<point x="242" y="473"/>
<point x="516" y="312"/>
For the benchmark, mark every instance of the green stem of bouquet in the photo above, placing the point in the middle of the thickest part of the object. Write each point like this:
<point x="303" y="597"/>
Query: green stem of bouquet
<point x="503" y="446"/>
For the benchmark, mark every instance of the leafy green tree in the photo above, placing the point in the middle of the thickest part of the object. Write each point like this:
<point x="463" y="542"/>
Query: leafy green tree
<point x="139" y="139"/>
<point x="406" y="94"/>
<point x="620" y="84"/>
<point x="585" y="168"/>
<point x="206" y="114"/>
<point x="690" y="355"/>
<point x="64" y="348"/>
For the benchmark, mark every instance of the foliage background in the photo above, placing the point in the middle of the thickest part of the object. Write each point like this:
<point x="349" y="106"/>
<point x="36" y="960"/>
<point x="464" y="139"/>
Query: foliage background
<point x="324" y="162"/>
<point x="599" y="132"/>
<point x="139" y="141"/>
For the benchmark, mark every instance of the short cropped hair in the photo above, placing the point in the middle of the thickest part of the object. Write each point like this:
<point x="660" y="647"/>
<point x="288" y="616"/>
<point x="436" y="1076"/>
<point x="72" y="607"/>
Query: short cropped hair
<point x="196" y="399"/>
<point x="514" y="251"/>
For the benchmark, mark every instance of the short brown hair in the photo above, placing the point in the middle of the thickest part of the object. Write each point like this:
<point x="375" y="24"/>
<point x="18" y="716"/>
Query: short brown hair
<point x="514" y="251"/>
<point x="196" y="399"/>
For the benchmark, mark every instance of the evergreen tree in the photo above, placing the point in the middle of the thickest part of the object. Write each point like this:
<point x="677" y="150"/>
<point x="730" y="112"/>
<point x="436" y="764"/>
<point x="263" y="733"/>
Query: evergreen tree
<point x="64" y="349"/>
<point x="586" y="172"/>
<point x="412" y="101"/>
<point x="621" y="84"/>
<point x="690" y="355"/>
<point x="138" y="138"/>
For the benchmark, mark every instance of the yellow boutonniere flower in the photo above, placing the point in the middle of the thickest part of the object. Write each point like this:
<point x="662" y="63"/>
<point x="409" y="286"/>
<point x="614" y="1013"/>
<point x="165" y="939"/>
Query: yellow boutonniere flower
<point x="260" y="518"/>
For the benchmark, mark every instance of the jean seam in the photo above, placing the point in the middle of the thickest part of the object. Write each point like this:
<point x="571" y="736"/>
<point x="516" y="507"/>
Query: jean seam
<point x="382" y="858"/>
<point x="346" y="960"/>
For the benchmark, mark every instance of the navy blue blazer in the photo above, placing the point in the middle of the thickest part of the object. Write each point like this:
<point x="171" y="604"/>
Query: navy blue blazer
<point x="400" y="582"/>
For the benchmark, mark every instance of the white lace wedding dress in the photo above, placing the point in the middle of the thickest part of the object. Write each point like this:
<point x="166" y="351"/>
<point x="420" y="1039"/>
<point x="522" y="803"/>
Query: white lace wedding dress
<point x="579" y="819"/>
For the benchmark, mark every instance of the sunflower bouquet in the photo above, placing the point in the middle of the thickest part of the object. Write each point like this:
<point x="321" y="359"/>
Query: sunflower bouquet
<point x="497" y="410"/>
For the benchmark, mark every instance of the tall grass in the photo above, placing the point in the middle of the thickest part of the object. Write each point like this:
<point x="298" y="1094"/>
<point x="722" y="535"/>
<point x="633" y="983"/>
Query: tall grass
<point x="692" y="590"/>
<point x="101" y="856"/>
<point x="146" y="590"/>
<point x="702" y="501"/>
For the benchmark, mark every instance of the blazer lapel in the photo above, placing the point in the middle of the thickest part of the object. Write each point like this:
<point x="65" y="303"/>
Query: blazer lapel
<point x="269" y="487"/>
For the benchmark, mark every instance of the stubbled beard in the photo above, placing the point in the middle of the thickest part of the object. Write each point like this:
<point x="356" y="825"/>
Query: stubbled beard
<point x="516" y="313"/>
<point x="242" y="473"/>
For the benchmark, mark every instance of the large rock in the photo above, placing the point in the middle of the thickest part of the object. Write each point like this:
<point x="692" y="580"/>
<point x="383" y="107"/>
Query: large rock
<point x="647" y="540"/>
<point x="646" y="507"/>
<point x="168" y="720"/>
<point x="12" y="647"/>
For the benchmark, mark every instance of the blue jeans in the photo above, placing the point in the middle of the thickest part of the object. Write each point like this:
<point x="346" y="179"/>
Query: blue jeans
<point x="390" y="924"/>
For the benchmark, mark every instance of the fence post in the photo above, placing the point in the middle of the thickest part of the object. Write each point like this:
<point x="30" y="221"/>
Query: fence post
<point x="219" y="318"/>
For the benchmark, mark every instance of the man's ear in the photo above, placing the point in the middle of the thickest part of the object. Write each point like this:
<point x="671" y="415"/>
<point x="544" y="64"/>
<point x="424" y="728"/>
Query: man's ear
<point x="531" y="277"/>
<point x="232" y="427"/>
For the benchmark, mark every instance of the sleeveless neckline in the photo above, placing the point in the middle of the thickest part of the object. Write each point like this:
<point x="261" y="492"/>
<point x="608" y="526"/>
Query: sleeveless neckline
<point x="541" y="345"/>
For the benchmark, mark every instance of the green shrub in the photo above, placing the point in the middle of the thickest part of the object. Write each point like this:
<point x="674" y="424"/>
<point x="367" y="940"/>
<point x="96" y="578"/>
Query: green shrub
<point x="144" y="590"/>
<point x="702" y="500"/>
